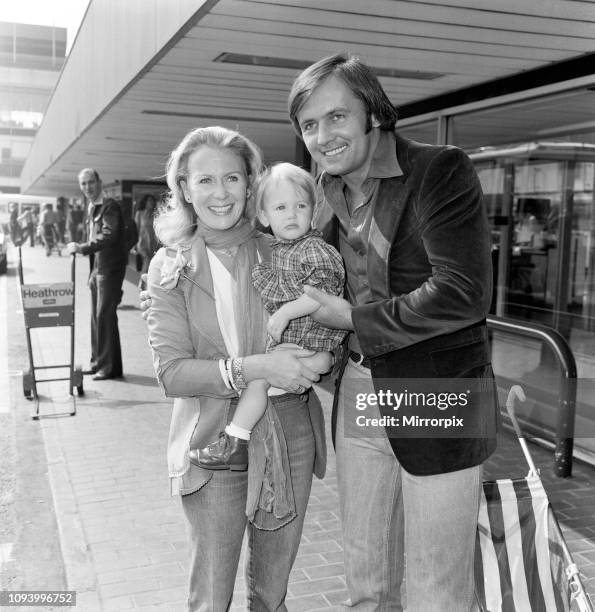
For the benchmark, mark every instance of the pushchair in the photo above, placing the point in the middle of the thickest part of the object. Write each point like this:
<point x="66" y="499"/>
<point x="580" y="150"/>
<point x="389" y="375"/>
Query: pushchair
<point x="522" y="563"/>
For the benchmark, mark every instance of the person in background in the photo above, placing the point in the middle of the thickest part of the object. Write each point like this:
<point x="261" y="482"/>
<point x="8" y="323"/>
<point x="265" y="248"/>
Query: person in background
<point x="147" y="244"/>
<point x="409" y="220"/>
<point x="27" y="223"/>
<point x="205" y="312"/>
<point x="75" y="222"/>
<point x="108" y="257"/>
<point x="13" y="223"/>
<point x="47" y="228"/>
<point x="36" y="213"/>
<point x="61" y="211"/>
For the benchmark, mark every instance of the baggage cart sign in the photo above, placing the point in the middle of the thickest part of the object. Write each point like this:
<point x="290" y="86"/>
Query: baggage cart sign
<point x="47" y="296"/>
<point x="48" y="305"/>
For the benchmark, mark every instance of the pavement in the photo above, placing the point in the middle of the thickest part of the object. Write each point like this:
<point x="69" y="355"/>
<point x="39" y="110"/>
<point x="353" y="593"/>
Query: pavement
<point x="85" y="504"/>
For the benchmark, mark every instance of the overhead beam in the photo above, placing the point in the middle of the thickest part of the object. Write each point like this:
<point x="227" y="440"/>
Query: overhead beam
<point x="538" y="77"/>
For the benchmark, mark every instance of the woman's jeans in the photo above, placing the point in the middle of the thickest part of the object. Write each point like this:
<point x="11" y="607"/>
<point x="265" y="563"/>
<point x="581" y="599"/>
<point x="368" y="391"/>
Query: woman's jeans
<point x="216" y="514"/>
<point x="388" y="514"/>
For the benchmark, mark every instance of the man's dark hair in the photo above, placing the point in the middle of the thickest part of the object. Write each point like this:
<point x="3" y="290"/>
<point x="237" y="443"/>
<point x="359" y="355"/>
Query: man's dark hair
<point x="357" y="76"/>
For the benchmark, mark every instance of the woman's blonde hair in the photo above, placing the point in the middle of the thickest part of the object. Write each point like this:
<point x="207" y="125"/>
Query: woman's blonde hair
<point x="301" y="179"/>
<point x="176" y="219"/>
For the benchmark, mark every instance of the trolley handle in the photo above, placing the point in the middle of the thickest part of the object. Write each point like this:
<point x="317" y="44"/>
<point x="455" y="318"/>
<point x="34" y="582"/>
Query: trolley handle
<point x="20" y="266"/>
<point x="72" y="266"/>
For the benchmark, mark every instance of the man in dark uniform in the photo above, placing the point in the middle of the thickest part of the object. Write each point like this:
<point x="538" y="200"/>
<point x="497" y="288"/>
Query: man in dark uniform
<point x="107" y="252"/>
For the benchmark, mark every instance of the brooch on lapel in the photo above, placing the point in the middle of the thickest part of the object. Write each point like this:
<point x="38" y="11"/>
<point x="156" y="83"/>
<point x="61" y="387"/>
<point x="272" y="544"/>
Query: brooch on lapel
<point x="173" y="267"/>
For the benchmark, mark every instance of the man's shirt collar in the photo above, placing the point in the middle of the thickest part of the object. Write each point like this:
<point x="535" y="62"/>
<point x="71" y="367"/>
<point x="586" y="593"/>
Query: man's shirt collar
<point x="100" y="199"/>
<point x="98" y="202"/>
<point x="384" y="161"/>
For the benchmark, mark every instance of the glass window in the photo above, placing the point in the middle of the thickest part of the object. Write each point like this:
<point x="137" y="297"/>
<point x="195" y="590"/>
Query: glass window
<point x="426" y="131"/>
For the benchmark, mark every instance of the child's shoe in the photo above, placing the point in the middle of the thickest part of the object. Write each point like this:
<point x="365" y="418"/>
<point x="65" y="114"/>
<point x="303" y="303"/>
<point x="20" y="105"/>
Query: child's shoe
<point x="228" y="453"/>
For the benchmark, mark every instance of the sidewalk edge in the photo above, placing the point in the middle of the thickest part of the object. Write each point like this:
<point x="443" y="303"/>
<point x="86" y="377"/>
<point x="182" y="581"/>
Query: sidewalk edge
<point x="78" y="563"/>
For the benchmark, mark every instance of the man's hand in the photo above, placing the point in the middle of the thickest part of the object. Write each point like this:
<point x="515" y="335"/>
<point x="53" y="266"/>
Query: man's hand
<point x="144" y="297"/>
<point x="73" y="247"/>
<point x="334" y="312"/>
<point x="277" y="324"/>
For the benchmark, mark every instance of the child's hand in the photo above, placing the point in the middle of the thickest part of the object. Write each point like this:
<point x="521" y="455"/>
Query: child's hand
<point x="277" y="325"/>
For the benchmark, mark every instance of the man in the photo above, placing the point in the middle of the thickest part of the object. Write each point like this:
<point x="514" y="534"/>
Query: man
<point x="107" y="252"/>
<point x="409" y="221"/>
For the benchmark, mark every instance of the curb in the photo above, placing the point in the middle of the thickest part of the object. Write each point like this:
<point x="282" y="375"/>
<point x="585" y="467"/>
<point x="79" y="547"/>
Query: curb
<point x="80" y="573"/>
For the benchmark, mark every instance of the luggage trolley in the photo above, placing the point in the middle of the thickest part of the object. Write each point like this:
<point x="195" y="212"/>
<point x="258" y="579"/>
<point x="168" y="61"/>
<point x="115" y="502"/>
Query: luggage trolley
<point x="49" y="305"/>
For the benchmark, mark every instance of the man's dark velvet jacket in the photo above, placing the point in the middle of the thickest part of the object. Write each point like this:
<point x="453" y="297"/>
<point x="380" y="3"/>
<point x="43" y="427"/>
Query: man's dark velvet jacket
<point x="430" y="276"/>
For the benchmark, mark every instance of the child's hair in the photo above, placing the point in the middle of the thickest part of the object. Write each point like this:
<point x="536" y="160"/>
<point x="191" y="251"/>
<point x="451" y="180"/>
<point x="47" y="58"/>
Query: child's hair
<point x="299" y="177"/>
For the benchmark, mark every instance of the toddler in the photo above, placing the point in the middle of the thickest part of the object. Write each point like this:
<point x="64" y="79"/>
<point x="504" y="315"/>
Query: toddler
<point x="285" y="199"/>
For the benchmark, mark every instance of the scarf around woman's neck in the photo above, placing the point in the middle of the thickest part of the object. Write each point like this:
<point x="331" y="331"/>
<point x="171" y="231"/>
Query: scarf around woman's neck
<point x="225" y="239"/>
<point x="236" y="249"/>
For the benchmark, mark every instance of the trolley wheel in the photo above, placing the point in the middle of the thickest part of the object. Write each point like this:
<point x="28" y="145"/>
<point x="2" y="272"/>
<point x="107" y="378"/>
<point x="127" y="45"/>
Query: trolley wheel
<point x="28" y="385"/>
<point x="77" y="380"/>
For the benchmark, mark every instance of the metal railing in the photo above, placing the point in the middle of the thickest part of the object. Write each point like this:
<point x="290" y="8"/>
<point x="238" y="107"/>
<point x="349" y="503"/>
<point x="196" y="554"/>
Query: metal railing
<point x="568" y="384"/>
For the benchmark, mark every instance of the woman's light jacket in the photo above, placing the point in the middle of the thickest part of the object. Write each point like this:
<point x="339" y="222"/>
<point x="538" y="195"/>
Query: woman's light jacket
<point x="187" y="344"/>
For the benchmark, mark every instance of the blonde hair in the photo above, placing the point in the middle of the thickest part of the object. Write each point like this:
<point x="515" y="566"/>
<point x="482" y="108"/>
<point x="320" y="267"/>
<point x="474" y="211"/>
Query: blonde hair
<point x="301" y="179"/>
<point x="176" y="219"/>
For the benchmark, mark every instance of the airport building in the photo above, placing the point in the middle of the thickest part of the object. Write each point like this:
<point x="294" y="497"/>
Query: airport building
<point x="31" y="58"/>
<point x="511" y="83"/>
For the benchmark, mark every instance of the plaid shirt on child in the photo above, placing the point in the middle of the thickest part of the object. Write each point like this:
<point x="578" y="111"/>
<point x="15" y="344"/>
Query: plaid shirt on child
<point x="309" y="260"/>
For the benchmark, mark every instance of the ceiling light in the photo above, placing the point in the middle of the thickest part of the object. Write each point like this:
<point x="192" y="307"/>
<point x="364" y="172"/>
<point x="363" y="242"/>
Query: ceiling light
<point x="296" y="64"/>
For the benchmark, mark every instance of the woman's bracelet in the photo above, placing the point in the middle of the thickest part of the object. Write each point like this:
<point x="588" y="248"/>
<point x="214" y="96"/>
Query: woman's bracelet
<point x="224" y="370"/>
<point x="237" y="373"/>
<point x="229" y="374"/>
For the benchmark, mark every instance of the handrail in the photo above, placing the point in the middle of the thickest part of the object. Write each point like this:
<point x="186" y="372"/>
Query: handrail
<point x="568" y="384"/>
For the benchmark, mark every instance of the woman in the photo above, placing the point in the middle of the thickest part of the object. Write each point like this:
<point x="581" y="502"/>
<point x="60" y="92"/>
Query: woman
<point x="147" y="243"/>
<point x="205" y="312"/>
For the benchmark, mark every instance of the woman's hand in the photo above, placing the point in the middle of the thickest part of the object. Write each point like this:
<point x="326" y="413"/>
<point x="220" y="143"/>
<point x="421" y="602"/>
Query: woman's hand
<point x="283" y="368"/>
<point x="145" y="300"/>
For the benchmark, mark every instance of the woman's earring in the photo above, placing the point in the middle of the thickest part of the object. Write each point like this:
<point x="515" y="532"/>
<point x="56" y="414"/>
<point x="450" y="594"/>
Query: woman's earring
<point x="248" y="193"/>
